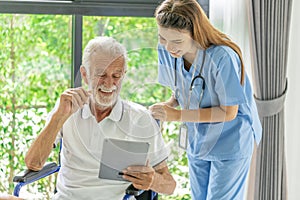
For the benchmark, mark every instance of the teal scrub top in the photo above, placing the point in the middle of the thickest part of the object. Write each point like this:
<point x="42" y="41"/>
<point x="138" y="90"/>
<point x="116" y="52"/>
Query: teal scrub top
<point x="221" y="71"/>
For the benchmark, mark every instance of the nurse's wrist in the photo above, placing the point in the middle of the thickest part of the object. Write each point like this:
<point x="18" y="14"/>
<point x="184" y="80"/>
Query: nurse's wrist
<point x="188" y="116"/>
<point x="179" y="115"/>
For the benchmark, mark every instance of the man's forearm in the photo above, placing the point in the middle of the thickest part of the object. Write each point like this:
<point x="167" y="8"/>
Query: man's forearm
<point x="163" y="183"/>
<point x="43" y="145"/>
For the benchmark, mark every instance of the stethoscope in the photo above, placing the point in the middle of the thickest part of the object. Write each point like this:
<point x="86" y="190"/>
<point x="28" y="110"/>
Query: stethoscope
<point x="192" y="82"/>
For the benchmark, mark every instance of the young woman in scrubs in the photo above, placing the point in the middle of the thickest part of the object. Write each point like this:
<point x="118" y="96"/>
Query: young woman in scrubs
<point x="219" y="119"/>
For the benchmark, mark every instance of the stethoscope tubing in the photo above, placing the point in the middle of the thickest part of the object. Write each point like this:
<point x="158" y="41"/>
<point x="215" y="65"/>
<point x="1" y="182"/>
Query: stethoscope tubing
<point x="194" y="78"/>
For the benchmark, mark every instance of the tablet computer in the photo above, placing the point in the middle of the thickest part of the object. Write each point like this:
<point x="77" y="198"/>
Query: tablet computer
<point x="118" y="154"/>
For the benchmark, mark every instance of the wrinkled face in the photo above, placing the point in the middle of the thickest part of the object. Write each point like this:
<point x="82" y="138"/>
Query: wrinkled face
<point x="105" y="80"/>
<point x="177" y="43"/>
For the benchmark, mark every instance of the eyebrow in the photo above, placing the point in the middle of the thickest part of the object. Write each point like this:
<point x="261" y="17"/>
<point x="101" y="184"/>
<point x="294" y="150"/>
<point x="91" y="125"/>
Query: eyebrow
<point x="161" y="36"/>
<point x="177" y="40"/>
<point x="103" y="71"/>
<point x="119" y="71"/>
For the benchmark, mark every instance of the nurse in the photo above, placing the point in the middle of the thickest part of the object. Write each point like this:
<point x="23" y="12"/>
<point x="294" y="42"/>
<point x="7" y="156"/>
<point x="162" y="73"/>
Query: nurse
<point x="218" y="115"/>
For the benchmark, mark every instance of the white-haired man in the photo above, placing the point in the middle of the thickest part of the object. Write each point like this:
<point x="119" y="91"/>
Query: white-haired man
<point x="85" y="117"/>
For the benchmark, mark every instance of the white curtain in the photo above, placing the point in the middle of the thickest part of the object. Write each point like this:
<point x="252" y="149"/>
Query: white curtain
<point x="231" y="17"/>
<point x="293" y="107"/>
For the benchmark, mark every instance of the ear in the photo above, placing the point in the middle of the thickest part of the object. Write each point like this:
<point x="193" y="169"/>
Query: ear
<point x="84" y="74"/>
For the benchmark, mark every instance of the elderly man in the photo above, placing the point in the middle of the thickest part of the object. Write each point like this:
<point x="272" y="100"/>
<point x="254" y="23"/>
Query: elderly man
<point x="85" y="117"/>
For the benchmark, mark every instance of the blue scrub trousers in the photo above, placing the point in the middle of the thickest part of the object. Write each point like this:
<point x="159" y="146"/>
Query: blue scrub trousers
<point x="218" y="180"/>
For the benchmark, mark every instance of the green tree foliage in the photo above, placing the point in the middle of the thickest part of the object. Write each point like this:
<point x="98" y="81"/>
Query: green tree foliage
<point x="35" y="67"/>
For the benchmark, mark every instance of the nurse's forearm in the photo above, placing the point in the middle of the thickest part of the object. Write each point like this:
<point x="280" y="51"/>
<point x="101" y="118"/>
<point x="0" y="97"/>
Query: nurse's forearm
<point x="206" y="115"/>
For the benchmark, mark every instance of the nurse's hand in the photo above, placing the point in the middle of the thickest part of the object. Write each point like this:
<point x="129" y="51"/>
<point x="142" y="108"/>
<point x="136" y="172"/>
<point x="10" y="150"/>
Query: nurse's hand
<point x="164" y="112"/>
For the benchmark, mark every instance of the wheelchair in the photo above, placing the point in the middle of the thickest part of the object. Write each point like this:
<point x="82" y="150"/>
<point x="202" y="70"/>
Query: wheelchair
<point x="28" y="176"/>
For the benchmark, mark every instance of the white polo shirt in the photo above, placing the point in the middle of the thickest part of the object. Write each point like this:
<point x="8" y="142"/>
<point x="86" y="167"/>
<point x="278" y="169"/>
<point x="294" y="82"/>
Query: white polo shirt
<point x="82" y="147"/>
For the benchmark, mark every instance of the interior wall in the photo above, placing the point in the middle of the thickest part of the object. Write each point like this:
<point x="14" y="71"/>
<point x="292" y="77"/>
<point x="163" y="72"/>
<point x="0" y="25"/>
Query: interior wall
<point x="292" y="107"/>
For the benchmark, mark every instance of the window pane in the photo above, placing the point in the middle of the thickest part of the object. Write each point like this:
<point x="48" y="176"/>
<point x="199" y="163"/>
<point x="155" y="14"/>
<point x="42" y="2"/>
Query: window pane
<point x="139" y="35"/>
<point x="35" y="65"/>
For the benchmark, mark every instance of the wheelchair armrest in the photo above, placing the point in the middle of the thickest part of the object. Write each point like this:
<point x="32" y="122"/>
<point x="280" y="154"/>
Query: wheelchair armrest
<point x="139" y="194"/>
<point x="131" y="190"/>
<point x="30" y="175"/>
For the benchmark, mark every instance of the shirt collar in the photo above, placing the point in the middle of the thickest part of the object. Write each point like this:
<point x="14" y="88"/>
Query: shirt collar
<point x="115" y="115"/>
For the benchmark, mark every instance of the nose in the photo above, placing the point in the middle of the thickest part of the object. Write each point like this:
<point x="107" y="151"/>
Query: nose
<point x="107" y="81"/>
<point x="170" y="47"/>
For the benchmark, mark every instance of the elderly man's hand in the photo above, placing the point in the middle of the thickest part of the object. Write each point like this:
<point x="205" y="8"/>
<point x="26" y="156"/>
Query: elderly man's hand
<point x="142" y="177"/>
<point x="71" y="100"/>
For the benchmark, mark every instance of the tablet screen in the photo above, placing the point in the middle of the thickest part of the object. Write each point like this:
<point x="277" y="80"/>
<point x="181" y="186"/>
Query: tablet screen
<point x="119" y="154"/>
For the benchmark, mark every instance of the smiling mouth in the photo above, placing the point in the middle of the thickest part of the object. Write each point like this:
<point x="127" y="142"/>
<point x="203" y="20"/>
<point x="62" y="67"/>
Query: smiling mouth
<point x="175" y="54"/>
<point x="106" y="92"/>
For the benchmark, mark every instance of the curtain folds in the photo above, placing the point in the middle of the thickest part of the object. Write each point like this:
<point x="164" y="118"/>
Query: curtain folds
<point x="269" y="26"/>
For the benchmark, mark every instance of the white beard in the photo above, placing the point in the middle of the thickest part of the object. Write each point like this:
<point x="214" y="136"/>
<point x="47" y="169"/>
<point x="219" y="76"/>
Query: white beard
<point x="105" y="101"/>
